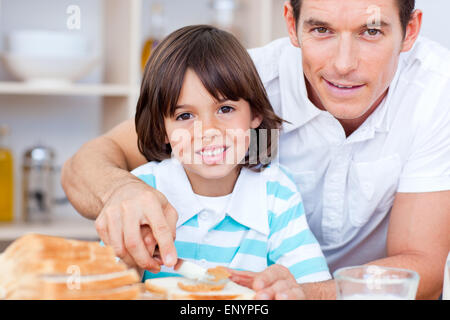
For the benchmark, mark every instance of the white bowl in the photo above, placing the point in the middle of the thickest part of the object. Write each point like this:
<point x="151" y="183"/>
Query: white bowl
<point x="51" y="70"/>
<point x="44" y="43"/>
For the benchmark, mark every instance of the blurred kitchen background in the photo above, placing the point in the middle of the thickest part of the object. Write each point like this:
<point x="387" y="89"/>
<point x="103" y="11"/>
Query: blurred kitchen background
<point x="71" y="70"/>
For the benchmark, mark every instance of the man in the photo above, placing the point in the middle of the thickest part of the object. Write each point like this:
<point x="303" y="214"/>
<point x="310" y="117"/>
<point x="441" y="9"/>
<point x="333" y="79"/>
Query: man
<point x="368" y="144"/>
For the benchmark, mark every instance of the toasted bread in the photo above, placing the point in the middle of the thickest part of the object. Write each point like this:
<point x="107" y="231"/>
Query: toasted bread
<point x="219" y="273"/>
<point x="45" y="267"/>
<point x="174" y="288"/>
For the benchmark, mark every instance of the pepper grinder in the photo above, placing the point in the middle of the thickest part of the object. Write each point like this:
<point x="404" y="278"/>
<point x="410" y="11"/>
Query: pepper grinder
<point x="37" y="184"/>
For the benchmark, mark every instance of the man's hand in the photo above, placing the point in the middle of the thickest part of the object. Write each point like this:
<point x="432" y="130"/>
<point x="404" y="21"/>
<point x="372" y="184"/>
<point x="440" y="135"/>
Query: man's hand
<point x="135" y="219"/>
<point x="276" y="282"/>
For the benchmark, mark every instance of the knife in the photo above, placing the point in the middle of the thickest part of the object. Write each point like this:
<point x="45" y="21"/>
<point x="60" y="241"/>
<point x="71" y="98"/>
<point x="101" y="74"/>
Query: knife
<point x="194" y="272"/>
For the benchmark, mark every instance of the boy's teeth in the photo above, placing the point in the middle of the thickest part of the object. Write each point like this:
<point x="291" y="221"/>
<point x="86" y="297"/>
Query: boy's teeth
<point x="210" y="153"/>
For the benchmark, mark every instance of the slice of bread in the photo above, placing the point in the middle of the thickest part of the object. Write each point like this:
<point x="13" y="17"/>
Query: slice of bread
<point x="129" y="292"/>
<point x="171" y="288"/>
<point x="37" y="253"/>
<point x="45" y="267"/>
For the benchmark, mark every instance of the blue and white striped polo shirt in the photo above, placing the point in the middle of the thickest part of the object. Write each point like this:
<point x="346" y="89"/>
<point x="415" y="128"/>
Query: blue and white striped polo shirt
<point x="263" y="223"/>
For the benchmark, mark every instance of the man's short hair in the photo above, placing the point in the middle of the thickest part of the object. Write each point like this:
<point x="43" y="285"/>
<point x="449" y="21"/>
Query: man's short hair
<point x="406" y="8"/>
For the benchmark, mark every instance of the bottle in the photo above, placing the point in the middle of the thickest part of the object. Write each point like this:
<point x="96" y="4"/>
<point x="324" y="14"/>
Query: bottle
<point x="6" y="176"/>
<point x="446" y="290"/>
<point x="156" y="31"/>
<point x="37" y="184"/>
<point x="224" y="15"/>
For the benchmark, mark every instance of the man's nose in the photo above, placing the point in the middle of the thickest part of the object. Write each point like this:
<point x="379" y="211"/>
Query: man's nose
<point x="346" y="60"/>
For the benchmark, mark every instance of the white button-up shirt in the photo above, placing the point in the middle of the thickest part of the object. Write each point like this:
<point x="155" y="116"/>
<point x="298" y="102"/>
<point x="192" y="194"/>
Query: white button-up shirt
<point x="348" y="184"/>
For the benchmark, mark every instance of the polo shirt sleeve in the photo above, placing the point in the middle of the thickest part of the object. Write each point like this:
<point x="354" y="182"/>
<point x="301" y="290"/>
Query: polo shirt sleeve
<point x="146" y="173"/>
<point x="427" y="168"/>
<point x="291" y="242"/>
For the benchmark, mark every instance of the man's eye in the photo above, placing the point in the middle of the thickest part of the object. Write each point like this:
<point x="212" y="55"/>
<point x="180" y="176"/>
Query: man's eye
<point x="226" y="109"/>
<point x="373" y="32"/>
<point x="184" y="116"/>
<point x="321" y="30"/>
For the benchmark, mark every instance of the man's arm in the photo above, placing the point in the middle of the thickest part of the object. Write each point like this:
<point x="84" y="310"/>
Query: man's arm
<point x="99" y="167"/>
<point x="129" y="215"/>
<point x="418" y="239"/>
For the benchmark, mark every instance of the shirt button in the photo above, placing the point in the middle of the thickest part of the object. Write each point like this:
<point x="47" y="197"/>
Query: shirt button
<point x="340" y="158"/>
<point x="208" y="237"/>
<point x="203" y="216"/>
<point x="334" y="197"/>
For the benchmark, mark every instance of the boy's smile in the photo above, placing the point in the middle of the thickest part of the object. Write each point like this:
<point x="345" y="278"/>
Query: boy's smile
<point x="213" y="154"/>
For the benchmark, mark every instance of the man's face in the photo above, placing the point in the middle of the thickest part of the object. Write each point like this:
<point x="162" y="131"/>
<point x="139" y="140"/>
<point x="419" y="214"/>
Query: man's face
<point x="350" y="52"/>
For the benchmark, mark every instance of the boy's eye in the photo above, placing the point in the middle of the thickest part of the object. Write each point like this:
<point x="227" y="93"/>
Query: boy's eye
<point x="184" y="116"/>
<point x="226" y="109"/>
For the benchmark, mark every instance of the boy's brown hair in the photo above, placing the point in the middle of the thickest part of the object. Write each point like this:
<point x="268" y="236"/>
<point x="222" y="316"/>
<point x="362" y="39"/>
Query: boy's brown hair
<point x="225" y="69"/>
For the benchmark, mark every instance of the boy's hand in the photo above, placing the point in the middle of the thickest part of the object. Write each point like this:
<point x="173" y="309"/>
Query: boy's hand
<point x="134" y="220"/>
<point x="276" y="282"/>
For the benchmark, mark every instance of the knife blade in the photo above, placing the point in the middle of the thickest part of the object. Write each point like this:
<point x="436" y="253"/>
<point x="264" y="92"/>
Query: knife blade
<point x="193" y="271"/>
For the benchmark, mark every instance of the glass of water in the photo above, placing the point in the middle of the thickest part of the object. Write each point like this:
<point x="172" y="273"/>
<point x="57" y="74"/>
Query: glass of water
<point x="446" y="291"/>
<point x="376" y="283"/>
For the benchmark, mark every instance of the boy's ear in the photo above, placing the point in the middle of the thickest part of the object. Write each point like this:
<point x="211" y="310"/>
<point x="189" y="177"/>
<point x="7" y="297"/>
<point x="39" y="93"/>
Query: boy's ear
<point x="291" y="24"/>
<point x="256" y="121"/>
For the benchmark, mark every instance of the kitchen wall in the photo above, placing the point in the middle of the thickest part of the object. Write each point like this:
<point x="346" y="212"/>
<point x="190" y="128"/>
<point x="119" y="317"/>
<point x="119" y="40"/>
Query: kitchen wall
<point x="436" y="23"/>
<point x="65" y="123"/>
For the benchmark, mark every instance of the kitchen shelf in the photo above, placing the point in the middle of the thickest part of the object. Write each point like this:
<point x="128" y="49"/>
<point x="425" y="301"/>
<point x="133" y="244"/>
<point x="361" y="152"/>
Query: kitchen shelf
<point x="107" y="90"/>
<point x="74" y="228"/>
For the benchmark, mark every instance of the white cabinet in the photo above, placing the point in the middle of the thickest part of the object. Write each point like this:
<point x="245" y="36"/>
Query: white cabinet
<point x="114" y="30"/>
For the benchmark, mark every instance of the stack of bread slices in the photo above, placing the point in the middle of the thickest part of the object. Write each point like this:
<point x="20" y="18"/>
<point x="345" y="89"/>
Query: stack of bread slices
<point x="45" y="267"/>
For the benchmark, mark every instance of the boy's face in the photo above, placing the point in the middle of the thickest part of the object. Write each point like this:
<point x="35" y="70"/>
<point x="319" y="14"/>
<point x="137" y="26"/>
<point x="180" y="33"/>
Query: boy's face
<point x="209" y="137"/>
<point x="350" y="52"/>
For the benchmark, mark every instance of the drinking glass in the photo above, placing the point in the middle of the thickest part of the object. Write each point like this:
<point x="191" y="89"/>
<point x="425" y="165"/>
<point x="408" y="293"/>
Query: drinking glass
<point x="446" y="290"/>
<point x="375" y="283"/>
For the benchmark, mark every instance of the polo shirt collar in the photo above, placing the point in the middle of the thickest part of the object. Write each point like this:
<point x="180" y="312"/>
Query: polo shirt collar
<point x="247" y="205"/>
<point x="383" y="121"/>
<point x="172" y="181"/>
<point x="380" y="120"/>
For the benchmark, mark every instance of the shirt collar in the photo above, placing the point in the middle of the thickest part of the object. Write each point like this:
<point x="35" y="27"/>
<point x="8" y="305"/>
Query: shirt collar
<point x="178" y="191"/>
<point x="248" y="203"/>
<point x="248" y="210"/>
<point x="380" y="120"/>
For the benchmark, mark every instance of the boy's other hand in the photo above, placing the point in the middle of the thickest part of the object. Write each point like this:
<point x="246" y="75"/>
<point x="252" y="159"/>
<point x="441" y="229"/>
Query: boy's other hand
<point x="274" y="283"/>
<point x="134" y="220"/>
